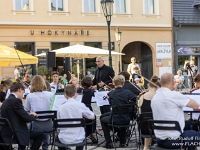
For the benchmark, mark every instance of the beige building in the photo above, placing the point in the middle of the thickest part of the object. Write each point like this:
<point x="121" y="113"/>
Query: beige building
<point x="43" y="25"/>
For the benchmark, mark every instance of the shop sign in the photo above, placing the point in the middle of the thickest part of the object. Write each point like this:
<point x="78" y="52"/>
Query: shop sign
<point x="159" y="63"/>
<point x="188" y="50"/>
<point x="61" y="32"/>
<point x="163" y="51"/>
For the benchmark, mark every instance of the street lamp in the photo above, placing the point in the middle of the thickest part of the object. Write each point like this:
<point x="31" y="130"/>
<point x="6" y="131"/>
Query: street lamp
<point x="107" y="6"/>
<point x="118" y="39"/>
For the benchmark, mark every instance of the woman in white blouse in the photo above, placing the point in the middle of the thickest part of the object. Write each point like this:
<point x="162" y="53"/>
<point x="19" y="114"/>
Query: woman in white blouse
<point x="40" y="100"/>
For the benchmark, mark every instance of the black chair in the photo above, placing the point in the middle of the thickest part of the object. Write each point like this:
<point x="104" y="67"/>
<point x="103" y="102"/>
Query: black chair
<point x="95" y="131"/>
<point x="6" y="127"/>
<point x="158" y="125"/>
<point x="49" y="114"/>
<point x="123" y="109"/>
<point x="143" y="119"/>
<point x="69" y="123"/>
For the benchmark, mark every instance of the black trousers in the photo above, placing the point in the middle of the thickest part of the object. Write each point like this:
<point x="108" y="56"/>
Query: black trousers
<point x="105" y="120"/>
<point x="36" y="136"/>
<point x="104" y="109"/>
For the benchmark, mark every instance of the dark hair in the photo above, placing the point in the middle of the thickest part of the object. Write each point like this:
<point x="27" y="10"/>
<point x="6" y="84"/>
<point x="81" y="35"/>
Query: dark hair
<point x="54" y="72"/>
<point x="70" y="90"/>
<point x="125" y="74"/>
<point x="16" y="86"/>
<point x="86" y="82"/>
<point x="155" y="80"/>
<point x="135" y="68"/>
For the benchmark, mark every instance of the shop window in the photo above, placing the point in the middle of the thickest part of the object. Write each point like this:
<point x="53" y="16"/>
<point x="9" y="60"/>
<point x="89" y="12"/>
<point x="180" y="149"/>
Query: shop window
<point x="23" y="5"/>
<point x="120" y="6"/>
<point x="89" y="6"/>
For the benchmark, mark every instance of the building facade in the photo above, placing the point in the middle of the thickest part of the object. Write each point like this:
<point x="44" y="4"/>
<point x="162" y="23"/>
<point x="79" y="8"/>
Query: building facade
<point x="38" y="26"/>
<point x="186" y="18"/>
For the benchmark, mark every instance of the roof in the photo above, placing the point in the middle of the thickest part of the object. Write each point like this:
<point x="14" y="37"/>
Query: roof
<point x="186" y="11"/>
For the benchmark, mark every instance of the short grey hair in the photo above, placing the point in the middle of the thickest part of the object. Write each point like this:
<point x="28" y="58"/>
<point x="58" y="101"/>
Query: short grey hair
<point x="166" y="78"/>
<point x="100" y="57"/>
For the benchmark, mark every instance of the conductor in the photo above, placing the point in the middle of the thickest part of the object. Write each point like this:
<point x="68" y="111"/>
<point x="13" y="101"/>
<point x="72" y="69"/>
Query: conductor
<point x="103" y="77"/>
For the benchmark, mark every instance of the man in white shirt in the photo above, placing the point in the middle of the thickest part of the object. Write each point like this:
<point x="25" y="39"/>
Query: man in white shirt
<point x="16" y="72"/>
<point x="168" y="105"/>
<point x="55" y="85"/>
<point x="73" y="109"/>
<point x="131" y="67"/>
<point x="179" y="79"/>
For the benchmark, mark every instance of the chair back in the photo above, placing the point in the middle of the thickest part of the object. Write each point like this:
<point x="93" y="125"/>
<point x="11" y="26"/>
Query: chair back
<point x="164" y="125"/>
<point x="146" y="116"/>
<point x="69" y="123"/>
<point x="48" y="114"/>
<point x="5" y="123"/>
<point x="143" y="122"/>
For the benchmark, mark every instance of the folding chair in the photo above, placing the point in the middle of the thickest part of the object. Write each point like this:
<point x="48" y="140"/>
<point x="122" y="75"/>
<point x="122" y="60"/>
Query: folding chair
<point x="143" y="120"/>
<point x="6" y="127"/>
<point x="95" y="131"/>
<point x="69" y="123"/>
<point x="49" y="114"/>
<point x="158" y="125"/>
<point x="123" y="109"/>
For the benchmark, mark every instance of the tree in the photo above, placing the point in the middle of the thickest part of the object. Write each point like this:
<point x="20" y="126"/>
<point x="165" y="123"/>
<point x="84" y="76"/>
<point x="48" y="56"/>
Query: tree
<point x="42" y="70"/>
<point x="74" y="70"/>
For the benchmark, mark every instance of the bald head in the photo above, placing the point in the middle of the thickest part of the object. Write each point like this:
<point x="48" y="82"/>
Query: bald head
<point x="166" y="79"/>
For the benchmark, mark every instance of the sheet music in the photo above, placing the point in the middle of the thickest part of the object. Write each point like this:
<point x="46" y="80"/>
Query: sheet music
<point x="99" y="97"/>
<point x="57" y="101"/>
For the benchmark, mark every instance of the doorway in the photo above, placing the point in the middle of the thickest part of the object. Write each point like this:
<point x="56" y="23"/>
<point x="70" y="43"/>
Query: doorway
<point x="143" y="54"/>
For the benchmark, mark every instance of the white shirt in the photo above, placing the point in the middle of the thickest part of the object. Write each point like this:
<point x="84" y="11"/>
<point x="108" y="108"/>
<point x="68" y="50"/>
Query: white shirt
<point x="195" y="116"/>
<point x="176" y="77"/>
<point x="16" y="73"/>
<point x="131" y="68"/>
<point x="168" y="105"/>
<point x="54" y="87"/>
<point x="8" y="93"/>
<point x="73" y="109"/>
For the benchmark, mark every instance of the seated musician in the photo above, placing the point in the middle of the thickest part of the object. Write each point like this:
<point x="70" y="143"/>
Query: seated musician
<point x="127" y="84"/>
<point x="55" y="85"/>
<point x="72" y="109"/>
<point x="88" y="93"/>
<point x="145" y="106"/>
<point x="13" y="110"/>
<point x="117" y="97"/>
<point x="168" y="105"/>
<point x="179" y="79"/>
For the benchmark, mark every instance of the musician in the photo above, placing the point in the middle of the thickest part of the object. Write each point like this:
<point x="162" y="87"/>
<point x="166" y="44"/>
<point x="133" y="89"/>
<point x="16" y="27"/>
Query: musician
<point x="13" y="110"/>
<point x="117" y="97"/>
<point x="168" y="105"/>
<point x="72" y="109"/>
<point x="145" y="106"/>
<point x="103" y="77"/>
<point x="179" y="79"/>
<point x="131" y="67"/>
<point x="5" y="85"/>
<point x="192" y="71"/>
<point x="128" y="85"/>
<point x="55" y="85"/>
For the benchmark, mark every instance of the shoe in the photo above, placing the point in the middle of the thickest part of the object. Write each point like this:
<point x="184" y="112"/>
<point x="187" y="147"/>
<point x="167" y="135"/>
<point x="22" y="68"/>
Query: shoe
<point x="123" y="145"/>
<point x="108" y="145"/>
<point x="92" y="138"/>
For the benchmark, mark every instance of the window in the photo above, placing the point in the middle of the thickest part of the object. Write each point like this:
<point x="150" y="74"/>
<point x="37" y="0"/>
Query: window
<point x="22" y="5"/>
<point x="89" y="6"/>
<point x="149" y="7"/>
<point x="120" y="6"/>
<point x="57" y="5"/>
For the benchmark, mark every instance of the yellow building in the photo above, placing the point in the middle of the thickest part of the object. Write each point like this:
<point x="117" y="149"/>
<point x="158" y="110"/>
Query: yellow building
<point x="44" y="25"/>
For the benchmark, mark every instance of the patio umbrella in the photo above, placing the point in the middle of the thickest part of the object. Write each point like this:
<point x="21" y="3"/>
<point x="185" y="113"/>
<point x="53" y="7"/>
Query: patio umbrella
<point x="80" y="51"/>
<point x="9" y="57"/>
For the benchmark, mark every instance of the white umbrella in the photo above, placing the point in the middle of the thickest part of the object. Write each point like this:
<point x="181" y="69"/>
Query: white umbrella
<point x="80" y="51"/>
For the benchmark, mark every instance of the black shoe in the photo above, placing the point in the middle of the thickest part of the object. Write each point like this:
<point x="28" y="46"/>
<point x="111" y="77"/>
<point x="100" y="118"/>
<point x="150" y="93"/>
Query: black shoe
<point x="123" y="145"/>
<point x="108" y="145"/>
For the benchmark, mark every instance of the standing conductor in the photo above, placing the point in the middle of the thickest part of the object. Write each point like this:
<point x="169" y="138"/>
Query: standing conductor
<point x="103" y="77"/>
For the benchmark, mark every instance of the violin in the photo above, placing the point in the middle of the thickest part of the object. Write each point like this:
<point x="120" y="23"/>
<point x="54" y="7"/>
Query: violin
<point x="142" y="93"/>
<point x="191" y="90"/>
